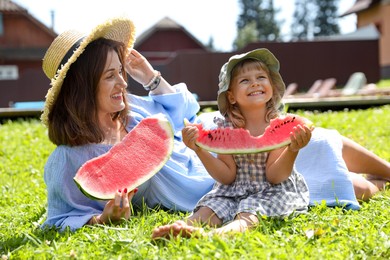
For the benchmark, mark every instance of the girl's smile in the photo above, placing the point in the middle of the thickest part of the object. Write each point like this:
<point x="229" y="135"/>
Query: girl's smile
<point x="256" y="93"/>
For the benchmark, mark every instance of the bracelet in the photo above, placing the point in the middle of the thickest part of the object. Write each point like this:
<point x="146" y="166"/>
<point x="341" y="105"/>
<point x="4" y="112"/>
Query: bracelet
<point x="154" y="83"/>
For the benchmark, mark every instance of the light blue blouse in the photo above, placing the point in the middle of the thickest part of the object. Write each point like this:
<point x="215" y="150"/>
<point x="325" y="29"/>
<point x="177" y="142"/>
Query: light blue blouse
<point x="177" y="186"/>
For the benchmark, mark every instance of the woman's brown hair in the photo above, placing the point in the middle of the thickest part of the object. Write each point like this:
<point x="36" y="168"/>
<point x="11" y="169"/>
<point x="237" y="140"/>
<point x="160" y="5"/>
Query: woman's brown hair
<point x="273" y="105"/>
<point x="73" y="119"/>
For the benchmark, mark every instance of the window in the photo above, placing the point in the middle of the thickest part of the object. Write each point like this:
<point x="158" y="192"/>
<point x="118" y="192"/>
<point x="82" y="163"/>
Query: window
<point x="9" y="72"/>
<point x="1" y="25"/>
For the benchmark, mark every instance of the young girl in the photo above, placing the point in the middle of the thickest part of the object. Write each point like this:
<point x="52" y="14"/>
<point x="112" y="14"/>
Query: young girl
<point x="248" y="185"/>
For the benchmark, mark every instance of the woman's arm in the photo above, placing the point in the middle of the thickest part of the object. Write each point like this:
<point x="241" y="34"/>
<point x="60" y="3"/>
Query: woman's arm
<point x="67" y="205"/>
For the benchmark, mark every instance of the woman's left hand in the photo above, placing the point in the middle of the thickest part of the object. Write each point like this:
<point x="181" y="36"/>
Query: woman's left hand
<point x="139" y="67"/>
<point x="118" y="208"/>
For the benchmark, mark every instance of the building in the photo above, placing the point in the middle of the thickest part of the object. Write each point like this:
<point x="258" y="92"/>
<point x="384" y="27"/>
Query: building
<point x="164" y="45"/>
<point x="23" y="42"/>
<point x="178" y="55"/>
<point x="377" y="13"/>
<point x="164" y="39"/>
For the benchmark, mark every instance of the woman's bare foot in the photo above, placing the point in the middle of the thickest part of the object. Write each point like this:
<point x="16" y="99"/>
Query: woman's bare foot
<point x="178" y="228"/>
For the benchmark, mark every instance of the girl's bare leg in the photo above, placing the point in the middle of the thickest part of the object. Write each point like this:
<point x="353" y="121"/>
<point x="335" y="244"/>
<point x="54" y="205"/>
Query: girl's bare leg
<point x="190" y="226"/>
<point x="241" y="223"/>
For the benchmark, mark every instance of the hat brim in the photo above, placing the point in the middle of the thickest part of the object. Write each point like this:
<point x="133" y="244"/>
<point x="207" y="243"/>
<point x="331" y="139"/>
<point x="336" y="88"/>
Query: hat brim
<point x="117" y="29"/>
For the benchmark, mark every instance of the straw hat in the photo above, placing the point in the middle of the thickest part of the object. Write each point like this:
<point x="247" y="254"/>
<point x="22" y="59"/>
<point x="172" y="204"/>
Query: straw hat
<point x="69" y="45"/>
<point x="263" y="55"/>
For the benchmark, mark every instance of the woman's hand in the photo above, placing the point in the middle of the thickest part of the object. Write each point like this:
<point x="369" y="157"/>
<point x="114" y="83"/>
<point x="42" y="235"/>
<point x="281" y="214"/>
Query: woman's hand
<point x="300" y="137"/>
<point x="139" y="67"/>
<point x="116" y="209"/>
<point x="142" y="71"/>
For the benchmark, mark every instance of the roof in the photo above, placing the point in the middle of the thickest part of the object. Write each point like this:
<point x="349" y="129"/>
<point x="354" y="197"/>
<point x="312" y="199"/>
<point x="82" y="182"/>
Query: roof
<point x="360" y="5"/>
<point x="7" y="6"/>
<point x="364" y="33"/>
<point x="164" y="23"/>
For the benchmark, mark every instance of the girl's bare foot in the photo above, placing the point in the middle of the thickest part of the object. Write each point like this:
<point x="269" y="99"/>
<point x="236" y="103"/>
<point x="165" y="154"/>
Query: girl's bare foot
<point x="178" y="228"/>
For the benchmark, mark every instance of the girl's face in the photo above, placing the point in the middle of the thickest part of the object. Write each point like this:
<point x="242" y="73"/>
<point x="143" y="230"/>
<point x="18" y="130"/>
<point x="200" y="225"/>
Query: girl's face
<point x="111" y="86"/>
<point x="250" y="87"/>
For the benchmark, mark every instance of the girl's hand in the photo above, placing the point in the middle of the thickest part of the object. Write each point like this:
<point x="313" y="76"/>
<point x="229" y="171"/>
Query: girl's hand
<point x="118" y="208"/>
<point x="139" y="67"/>
<point x="190" y="133"/>
<point x="300" y="137"/>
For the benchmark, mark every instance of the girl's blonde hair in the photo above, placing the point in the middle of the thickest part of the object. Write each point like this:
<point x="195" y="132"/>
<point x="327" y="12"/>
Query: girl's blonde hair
<point x="273" y="105"/>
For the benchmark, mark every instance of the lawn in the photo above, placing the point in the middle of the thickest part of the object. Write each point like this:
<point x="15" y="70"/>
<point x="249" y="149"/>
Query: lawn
<point x="323" y="233"/>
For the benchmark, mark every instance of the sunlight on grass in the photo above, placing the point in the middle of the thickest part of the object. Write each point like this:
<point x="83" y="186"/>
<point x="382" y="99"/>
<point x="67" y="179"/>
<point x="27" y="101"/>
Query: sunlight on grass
<point x="383" y="83"/>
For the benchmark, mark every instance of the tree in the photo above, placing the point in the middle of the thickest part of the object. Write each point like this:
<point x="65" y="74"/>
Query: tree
<point x="246" y="35"/>
<point x="303" y="20"/>
<point x="210" y="44"/>
<point x="326" y="22"/>
<point x="269" y="27"/>
<point x="263" y="16"/>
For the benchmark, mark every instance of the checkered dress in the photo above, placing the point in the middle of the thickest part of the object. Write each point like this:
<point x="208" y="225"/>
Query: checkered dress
<point x="252" y="193"/>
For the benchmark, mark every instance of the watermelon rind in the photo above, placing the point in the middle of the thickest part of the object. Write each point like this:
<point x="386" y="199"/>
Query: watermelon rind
<point x="241" y="150"/>
<point x="93" y="193"/>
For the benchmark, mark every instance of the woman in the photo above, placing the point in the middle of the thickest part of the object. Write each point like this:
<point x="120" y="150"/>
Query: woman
<point x="88" y="110"/>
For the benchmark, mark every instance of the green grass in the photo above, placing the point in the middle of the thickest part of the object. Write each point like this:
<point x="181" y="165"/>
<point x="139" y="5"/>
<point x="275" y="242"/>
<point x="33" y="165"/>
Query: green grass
<point x="323" y="233"/>
<point x="383" y="83"/>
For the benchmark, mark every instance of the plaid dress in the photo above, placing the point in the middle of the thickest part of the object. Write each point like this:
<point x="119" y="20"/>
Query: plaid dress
<point x="252" y="193"/>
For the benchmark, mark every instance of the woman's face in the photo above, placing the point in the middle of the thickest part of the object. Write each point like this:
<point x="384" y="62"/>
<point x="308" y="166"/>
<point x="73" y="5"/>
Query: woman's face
<point x="111" y="86"/>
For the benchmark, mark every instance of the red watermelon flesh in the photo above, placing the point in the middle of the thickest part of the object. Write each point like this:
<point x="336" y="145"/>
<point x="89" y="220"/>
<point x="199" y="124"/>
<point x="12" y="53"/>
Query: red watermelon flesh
<point x="239" y="140"/>
<point x="128" y="164"/>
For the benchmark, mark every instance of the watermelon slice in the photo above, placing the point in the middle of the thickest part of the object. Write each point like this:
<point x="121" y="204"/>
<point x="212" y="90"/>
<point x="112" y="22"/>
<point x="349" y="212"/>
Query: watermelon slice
<point x="239" y="140"/>
<point x="128" y="164"/>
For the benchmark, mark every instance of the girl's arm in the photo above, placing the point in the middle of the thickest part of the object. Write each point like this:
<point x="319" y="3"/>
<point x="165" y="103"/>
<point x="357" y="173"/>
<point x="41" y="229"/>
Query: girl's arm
<point x="280" y="162"/>
<point x="222" y="168"/>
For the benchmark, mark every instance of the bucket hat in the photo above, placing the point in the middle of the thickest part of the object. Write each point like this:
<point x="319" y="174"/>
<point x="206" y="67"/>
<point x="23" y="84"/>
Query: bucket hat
<point x="69" y="45"/>
<point x="263" y="55"/>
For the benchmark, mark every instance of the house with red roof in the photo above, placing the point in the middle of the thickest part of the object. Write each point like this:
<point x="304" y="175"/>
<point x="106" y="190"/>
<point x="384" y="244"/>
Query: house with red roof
<point x="23" y="43"/>
<point x="375" y="13"/>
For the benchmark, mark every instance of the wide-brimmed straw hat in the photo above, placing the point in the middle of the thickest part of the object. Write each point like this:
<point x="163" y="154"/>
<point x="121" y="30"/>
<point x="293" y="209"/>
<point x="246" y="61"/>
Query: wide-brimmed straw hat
<point x="69" y="45"/>
<point x="263" y="55"/>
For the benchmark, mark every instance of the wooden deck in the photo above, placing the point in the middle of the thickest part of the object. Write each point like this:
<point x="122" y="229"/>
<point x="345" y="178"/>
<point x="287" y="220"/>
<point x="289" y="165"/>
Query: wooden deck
<point x="320" y="104"/>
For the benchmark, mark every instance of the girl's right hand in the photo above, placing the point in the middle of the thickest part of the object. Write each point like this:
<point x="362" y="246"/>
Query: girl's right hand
<point x="118" y="208"/>
<point x="190" y="133"/>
